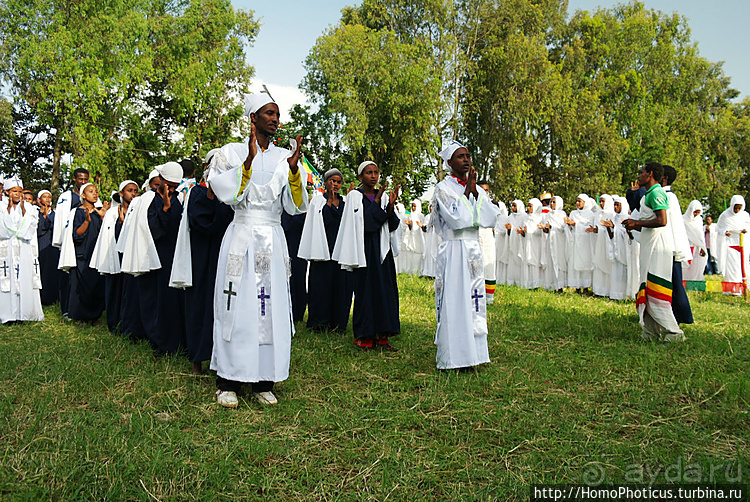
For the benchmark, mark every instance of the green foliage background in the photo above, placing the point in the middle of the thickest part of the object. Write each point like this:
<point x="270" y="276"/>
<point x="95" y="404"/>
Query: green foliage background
<point x="545" y="99"/>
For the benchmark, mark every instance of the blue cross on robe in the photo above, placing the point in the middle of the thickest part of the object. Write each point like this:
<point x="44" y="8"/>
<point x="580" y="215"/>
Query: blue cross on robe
<point x="263" y="297"/>
<point x="5" y="269"/>
<point x="18" y="270"/>
<point x="36" y="266"/>
<point x="476" y="296"/>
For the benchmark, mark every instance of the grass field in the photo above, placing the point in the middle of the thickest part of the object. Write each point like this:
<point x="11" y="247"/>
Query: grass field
<point x="572" y="396"/>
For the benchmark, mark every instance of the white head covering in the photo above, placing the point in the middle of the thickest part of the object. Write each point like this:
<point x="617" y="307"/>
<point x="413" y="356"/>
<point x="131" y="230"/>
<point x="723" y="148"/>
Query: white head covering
<point x="124" y="184"/>
<point x="418" y="210"/>
<point x="13" y="182"/>
<point x="171" y="171"/>
<point x="536" y="206"/>
<point x="254" y="102"/>
<point x="332" y="172"/>
<point x="153" y="174"/>
<point x="83" y="187"/>
<point x="42" y="192"/>
<point x="210" y="155"/>
<point x="449" y="150"/>
<point x="503" y="209"/>
<point x="363" y="165"/>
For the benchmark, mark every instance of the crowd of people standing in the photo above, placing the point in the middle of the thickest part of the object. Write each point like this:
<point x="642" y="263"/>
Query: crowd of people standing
<point x="220" y="270"/>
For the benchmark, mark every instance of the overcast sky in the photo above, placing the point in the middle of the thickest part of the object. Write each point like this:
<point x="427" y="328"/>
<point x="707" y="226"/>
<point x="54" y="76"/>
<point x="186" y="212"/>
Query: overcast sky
<point x="289" y="29"/>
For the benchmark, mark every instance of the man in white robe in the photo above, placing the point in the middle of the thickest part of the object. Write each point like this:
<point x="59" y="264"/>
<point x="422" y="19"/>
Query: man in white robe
<point x="732" y="246"/>
<point x="252" y="305"/>
<point x="20" y="279"/>
<point x="461" y="207"/>
<point x="654" y="299"/>
<point x="682" y="253"/>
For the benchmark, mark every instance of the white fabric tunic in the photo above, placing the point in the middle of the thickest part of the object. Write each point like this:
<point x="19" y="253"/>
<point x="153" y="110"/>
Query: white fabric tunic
<point x="580" y="251"/>
<point x="412" y="246"/>
<point x="603" y="251"/>
<point x="460" y="307"/>
<point x="693" y="270"/>
<point x="554" y="251"/>
<point x="252" y="307"/>
<point x="20" y="281"/>
<point x="501" y="245"/>
<point x="728" y="246"/>
<point x="431" y="243"/>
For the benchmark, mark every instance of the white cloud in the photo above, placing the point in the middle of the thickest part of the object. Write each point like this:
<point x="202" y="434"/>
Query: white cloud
<point x="285" y="96"/>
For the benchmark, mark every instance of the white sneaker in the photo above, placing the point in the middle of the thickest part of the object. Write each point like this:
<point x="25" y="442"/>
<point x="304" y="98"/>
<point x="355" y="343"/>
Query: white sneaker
<point x="266" y="398"/>
<point x="226" y="398"/>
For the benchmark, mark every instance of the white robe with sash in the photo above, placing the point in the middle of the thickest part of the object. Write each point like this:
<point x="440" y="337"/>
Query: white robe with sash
<point x="20" y="280"/>
<point x="461" y="336"/>
<point x="253" y="325"/>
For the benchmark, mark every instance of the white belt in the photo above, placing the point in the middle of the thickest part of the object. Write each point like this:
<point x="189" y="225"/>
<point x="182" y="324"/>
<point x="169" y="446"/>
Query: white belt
<point x="463" y="234"/>
<point x="257" y="217"/>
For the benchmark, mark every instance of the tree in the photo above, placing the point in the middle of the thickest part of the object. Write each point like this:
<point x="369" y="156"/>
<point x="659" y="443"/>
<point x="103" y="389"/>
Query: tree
<point x="126" y="83"/>
<point x="380" y="90"/>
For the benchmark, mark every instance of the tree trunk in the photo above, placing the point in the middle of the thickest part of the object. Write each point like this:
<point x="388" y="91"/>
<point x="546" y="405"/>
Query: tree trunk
<point x="56" y="157"/>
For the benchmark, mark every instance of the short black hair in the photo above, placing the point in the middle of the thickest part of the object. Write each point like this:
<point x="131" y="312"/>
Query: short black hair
<point x="188" y="168"/>
<point x="656" y="170"/>
<point x="80" y="170"/>
<point x="671" y="174"/>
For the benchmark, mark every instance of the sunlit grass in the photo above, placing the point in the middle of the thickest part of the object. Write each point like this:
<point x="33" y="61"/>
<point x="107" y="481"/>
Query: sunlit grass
<point x="86" y="415"/>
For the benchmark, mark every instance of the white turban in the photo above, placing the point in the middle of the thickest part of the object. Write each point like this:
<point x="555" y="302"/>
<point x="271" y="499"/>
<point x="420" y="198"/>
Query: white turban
<point x="450" y="150"/>
<point x="42" y="192"/>
<point x="124" y="184"/>
<point x="171" y="171"/>
<point x="363" y="165"/>
<point x="254" y="102"/>
<point x="13" y="182"/>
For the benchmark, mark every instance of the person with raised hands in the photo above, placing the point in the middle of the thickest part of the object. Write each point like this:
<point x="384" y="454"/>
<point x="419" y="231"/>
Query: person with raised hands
<point x="461" y="207"/>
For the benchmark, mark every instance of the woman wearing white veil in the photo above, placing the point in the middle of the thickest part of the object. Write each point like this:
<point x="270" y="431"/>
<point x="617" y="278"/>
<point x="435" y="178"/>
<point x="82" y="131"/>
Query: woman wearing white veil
<point x="693" y="218"/>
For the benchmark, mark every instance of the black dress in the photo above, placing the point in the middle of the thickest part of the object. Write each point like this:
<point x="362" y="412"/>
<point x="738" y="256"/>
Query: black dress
<point x="375" y="287"/>
<point x="293" y="226"/>
<point x="64" y="278"/>
<point x="49" y="256"/>
<point x="86" y="301"/>
<point x="162" y="307"/>
<point x="330" y="287"/>
<point x="209" y="219"/>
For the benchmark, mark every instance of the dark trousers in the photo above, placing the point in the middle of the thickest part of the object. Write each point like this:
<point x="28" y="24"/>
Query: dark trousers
<point x="710" y="265"/>
<point x="234" y="386"/>
<point x="680" y="303"/>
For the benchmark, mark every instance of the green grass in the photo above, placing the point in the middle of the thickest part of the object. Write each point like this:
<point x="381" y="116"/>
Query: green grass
<point x="572" y="394"/>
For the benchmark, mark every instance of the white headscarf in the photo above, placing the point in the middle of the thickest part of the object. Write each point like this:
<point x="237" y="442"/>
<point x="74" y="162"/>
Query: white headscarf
<point x="694" y="225"/>
<point x="126" y="183"/>
<point x="254" y="102"/>
<point x="42" y="192"/>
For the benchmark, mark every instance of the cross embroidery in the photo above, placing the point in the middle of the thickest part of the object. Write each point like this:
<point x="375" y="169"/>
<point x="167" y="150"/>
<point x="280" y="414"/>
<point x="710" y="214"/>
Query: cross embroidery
<point x="229" y="294"/>
<point x="18" y="270"/>
<point x="36" y="266"/>
<point x="262" y="297"/>
<point x="5" y="269"/>
<point x="476" y="296"/>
